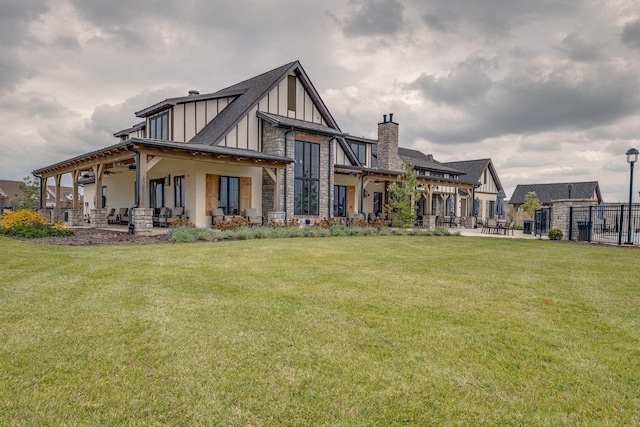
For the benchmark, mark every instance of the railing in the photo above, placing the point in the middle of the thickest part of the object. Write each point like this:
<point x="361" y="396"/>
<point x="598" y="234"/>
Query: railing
<point x="605" y="224"/>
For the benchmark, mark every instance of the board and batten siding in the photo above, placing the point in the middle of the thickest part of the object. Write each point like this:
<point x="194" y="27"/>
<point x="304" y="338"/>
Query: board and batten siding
<point x="339" y="156"/>
<point x="186" y="120"/>
<point x="488" y="183"/>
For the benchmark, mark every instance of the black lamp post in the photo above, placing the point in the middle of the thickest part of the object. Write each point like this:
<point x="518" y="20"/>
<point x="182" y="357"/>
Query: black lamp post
<point x="632" y="157"/>
<point x="569" y="186"/>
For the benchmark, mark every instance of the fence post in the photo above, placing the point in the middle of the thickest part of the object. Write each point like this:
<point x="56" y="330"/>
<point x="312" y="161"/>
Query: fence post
<point x="621" y="224"/>
<point x="590" y="223"/>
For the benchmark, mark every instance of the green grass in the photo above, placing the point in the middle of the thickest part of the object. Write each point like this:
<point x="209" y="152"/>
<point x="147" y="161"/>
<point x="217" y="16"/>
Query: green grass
<point x="334" y="331"/>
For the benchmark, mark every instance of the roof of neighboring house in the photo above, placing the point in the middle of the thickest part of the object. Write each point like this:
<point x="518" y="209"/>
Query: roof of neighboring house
<point x="475" y="168"/>
<point x="250" y="92"/>
<point x="423" y="161"/>
<point x="555" y="191"/>
<point x="10" y="189"/>
<point x="65" y="191"/>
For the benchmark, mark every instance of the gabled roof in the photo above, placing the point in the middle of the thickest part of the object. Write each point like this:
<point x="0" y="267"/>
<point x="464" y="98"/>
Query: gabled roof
<point x="170" y="102"/>
<point x="475" y="168"/>
<point x="250" y="93"/>
<point x="548" y="192"/>
<point x="9" y="189"/>
<point x="423" y="161"/>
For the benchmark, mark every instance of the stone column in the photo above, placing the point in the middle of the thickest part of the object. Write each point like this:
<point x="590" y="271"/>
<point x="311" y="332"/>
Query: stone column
<point x="142" y="220"/>
<point x="429" y="222"/>
<point x="57" y="214"/>
<point x="99" y="217"/>
<point x="560" y="214"/>
<point x="75" y="217"/>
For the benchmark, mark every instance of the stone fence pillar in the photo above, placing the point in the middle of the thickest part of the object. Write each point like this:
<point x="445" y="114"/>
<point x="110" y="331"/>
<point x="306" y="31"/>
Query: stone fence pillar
<point x="142" y="220"/>
<point x="429" y="222"/>
<point x="560" y="214"/>
<point x="74" y="217"/>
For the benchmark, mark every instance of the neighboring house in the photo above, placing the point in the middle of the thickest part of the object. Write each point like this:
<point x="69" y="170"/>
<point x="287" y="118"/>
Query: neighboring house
<point x="268" y="143"/>
<point x="9" y="192"/>
<point x="66" y="197"/>
<point x="548" y="193"/>
<point x="482" y="171"/>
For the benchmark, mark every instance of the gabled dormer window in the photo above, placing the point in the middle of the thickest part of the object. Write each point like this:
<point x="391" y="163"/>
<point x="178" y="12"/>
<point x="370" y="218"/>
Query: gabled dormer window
<point x="159" y="127"/>
<point x="360" y="150"/>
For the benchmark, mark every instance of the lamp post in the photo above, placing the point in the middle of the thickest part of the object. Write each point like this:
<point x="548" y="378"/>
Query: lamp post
<point x="632" y="157"/>
<point x="569" y="187"/>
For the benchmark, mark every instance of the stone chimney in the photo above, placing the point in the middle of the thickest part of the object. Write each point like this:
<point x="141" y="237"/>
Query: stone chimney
<point x="388" y="145"/>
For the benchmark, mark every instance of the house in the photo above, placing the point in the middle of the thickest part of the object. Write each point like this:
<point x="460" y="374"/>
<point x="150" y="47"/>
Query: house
<point x="588" y="192"/>
<point x="482" y="171"/>
<point x="66" y="196"/>
<point x="268" y="143"/>
<point x="9" y="192"/>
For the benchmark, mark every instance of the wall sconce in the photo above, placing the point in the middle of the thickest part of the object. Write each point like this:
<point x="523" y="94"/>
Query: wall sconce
<point x="376" y="182"/>
<point x="167" y="181"/>
<point x="354" y="174"/>
<point x="366" y="194"/>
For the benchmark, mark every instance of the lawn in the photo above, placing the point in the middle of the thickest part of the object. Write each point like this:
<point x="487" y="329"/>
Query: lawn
<point x="346" y="331"/>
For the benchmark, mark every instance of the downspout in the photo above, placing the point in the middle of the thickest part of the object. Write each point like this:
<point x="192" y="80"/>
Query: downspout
<point x="136" y="197"/>
<point x="286" y="178"/>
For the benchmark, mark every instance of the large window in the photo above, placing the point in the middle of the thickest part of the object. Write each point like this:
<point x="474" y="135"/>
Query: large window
<point x="156" y="197"/>
<point x="229" y="195"/>
<point x="377" y="203"/>
<point x="178" y="191"/>
<point x="159" y="127"/>
<point x="307" y="179"/>
<point x="339" y="200"/>
<point x="360" y="150"/>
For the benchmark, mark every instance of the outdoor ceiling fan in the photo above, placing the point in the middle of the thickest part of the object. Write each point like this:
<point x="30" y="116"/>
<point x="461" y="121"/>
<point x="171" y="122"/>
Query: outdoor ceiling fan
<point x="109" y="172"/>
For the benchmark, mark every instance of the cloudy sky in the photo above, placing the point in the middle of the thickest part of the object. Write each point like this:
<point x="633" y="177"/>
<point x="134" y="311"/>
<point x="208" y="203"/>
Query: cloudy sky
<point x="549" y="90"/>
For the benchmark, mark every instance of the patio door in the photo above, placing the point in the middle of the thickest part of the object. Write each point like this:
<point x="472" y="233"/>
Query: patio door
<point x="156" y="197"/>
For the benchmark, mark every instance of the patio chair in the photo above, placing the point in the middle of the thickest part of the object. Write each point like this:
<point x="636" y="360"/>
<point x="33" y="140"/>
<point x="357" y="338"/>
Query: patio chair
<point x="217" y="215"/>
<point x="123" y="216"/>
<point x="511" y="228"/>
<point x="177" y="213"/>
<point x="112" y="218"/>
<point x="162" y="219"/>
<point x="491" y="225"/>
<point x="251" y="214"/>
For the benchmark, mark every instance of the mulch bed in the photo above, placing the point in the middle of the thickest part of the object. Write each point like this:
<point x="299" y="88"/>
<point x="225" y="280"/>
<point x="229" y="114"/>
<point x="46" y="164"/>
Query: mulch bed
<point x="94" y="236"/>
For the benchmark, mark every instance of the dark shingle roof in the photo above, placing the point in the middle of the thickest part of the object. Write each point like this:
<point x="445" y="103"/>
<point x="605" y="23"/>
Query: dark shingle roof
<point x="10" y="189"/>
<point x="548" y="192"/>
<point x="421" y="160"/>
<point x="133" y="128"/>
<point x="252" y="91"/>
<point x="298" y="124"/>
<point x="475" y="168"/>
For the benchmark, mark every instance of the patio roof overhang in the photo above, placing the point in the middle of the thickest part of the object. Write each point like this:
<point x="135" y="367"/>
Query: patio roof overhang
<point x="387" y="174"/>
<point x="120" y="153"/>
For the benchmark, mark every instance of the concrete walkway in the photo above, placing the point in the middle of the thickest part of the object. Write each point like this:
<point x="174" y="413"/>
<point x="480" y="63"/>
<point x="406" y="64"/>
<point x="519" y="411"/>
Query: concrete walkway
<point x="477" y="232"/>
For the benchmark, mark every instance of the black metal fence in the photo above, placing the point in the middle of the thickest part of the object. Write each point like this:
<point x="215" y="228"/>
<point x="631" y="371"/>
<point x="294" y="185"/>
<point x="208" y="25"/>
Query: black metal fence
<point x="605" y="224"/>
<point x="542" y="221"/>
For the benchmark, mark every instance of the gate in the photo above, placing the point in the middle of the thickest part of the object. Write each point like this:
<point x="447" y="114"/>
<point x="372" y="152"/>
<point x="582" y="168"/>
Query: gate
<point x="542" y="221"/>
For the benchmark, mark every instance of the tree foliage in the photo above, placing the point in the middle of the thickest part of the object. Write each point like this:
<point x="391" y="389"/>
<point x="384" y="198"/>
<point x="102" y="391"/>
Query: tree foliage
<point x="403" y="194"/>
<point x="531" y="203"/>
<point x="30" y="195"/>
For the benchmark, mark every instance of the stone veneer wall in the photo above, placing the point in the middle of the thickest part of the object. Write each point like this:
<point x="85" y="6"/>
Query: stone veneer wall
<point x="57" y="214"/>
<point x="46" y="213"/>
<point x="142" y="220"/>
<point x="429" y="222"/>
<point x="560" y="214"/>
<point x="98" y="218"/>
<point x="388" y="146"/>
<point x="75" y="217"/>
<point x="273" y="143"/>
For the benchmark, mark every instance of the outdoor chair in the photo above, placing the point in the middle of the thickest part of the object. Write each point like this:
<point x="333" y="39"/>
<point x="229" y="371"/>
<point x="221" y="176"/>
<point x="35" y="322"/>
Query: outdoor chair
<point x="217" y="215"/>
<point x="162" y="219"/>
<point x="177" y="213"/>
<point x="511" y="228"/>
<point x="251" y="214"/>
<point x="112" y="218"/>
<point x="123" y="216"/>
<point x="491" y="225"/>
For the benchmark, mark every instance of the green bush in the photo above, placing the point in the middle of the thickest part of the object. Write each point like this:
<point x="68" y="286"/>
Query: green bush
<point x="555" y="234"/>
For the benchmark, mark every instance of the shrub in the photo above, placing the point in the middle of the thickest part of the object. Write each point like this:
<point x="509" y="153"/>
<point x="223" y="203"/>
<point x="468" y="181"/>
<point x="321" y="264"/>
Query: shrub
<point x="555" y="234"/>
<point x="30" y="224"/>
<point x="183" y="235"/>
<point x="232" y="224"/>
<point x="181" y="222"/>
<point x="325" y="223"/>
<point x="359" y="222"/>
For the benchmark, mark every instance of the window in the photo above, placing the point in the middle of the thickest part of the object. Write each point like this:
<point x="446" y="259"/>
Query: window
<point x="229" y="195"/>
<point x="360" y="150"/>
<point x="104" y="196"/>
<point x="437" y="175"/>
<point x="307" y="179"/>
<point x="377" y="203"/>
<point x="291" y="93"/>
<point x="178" y="191"/>
<point x="339" y="200"/>
<point x="159" y="127"/>
<point x="156" y="197"/>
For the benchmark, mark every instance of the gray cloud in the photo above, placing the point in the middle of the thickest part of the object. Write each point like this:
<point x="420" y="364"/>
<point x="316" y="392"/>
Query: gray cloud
<point x="631" y="34"/>
<point x="579" y="50"/>
<point x="378" y="17"/>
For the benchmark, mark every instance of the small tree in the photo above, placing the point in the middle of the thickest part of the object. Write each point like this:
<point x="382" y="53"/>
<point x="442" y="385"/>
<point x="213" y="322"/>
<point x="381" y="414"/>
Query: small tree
<point x="403" y="194"/>
<point x="30" y="195"/>
<point x="531" y="204"/>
